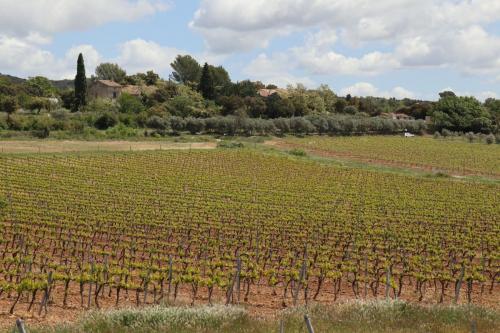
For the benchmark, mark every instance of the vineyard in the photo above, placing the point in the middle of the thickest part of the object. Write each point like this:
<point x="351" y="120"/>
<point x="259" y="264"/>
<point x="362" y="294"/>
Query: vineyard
<point x="418" y="152"/>
<point x="92" y="230"/>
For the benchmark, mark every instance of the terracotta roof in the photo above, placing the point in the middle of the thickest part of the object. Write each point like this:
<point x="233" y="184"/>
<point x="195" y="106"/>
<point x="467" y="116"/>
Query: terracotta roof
<point x="110" y="83"/>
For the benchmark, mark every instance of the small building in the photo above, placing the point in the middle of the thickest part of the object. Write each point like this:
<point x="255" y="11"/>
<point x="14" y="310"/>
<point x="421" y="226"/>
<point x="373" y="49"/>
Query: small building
<point x="105" y="89"/>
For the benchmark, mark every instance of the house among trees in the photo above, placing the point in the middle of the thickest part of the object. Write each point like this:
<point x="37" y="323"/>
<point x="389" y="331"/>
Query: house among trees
<point x="108" y="89"/>
<point x="105" y="89"/>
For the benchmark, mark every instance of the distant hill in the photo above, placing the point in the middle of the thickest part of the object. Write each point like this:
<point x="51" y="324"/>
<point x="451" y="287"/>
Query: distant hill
<point x="59" y="84"/>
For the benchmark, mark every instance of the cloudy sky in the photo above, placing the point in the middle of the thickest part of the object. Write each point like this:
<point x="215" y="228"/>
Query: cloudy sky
<point x="401" y="48"/>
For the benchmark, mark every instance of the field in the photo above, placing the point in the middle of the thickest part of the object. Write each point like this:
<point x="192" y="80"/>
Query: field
<point x="454" y="156"/>
<point x="80" y="146"/>
<point x="242" y="226"/>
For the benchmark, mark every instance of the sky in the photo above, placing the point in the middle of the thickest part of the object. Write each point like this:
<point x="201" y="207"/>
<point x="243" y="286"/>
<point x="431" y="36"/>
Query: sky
<point x="397" y="48"/>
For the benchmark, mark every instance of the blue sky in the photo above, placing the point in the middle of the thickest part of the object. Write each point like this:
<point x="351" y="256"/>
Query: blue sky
<point x="401" y="48"/>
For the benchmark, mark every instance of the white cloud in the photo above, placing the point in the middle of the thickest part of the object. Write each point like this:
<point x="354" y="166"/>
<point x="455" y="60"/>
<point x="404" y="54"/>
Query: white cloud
<point x="413" y="34"/>
<point x="139" y="55"/>
<point x="46" y="17"/>
<point x="275" y="70"/>
<point x="364" y="89"/>
<point x="27" y="26"/>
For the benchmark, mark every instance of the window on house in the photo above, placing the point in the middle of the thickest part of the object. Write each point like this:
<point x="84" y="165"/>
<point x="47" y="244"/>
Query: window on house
<point x="114" y="94"/>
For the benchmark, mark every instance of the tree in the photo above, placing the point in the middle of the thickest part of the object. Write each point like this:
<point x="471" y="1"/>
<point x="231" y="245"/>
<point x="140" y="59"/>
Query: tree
<point x="186" y="69"/>
<point x="109" y="71"/>
<point x="151" y="78"/>
<point x="206" y="86"/>
<point x="40" y="86"/>
<point x="464" y="114"/>
<point x="9" y="105"/>
<point x="80" y="84"/>
<point x="220" y="76"/>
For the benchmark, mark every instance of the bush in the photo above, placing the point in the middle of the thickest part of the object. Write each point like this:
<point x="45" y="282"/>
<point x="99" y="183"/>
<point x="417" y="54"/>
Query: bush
<point x="470" y="136"/>
<point x="195" y="125"/>
<point x="437" y="135"/>
<point x="178" y="124"/>
<point x="298" y="152"/>
<point x="490" y="139"/>
<point x="156" y="122"/>
<point x="446" y="133"/>
<point x="230" y="144"/>
<point x="120" y="131"/>
<point x="105" y="121"/>
<point x="130" y="104"/>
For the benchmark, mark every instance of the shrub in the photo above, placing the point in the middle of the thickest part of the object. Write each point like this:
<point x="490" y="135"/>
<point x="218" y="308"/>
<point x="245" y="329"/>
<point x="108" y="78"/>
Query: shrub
<point x="437" y="135"/>
<point x="230" y="144"/>
<point x="446" y="133"/>
<point x="350" y="109"/>
<point x="156" y="122"/>
<point x="297" y="152"/>
<point x="470" y="136"/>
<point x="120" y="131"/>
<point x="105" y="121"/>
<point x="130" y="104"/>
<point x="490" y="139"/>
<point x="195" y="125"/>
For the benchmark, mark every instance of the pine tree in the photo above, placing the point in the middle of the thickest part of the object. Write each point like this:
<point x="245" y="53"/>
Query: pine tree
<point x="80" y="84"/>
<point x="206" y="86"/>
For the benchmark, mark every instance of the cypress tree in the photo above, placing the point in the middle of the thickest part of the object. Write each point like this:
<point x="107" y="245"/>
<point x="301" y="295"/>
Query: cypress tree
<point x="206" y="86"/>
<point x="80" y="84"/>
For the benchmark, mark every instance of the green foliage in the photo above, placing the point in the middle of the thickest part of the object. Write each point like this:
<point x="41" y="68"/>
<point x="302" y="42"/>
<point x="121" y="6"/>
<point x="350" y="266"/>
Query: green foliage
<point x="130" y="104"/>
<point x="206" y="86"/>
<point x="298" y="152"/>
<point x="40" y="86"/>
<point x="40" y="104"/>
<point x="9" y="105"/>
<point x="490" y="139"/>
<point x="220" y="77"/>
<point x="186" y="70"/>
<point x="157" y="122"/>
<point x="461" y="114"/>
<point x="80" y="84"/>
<point x="3" y="204"/>
<point x="106" y="120"/>
<point x="120" y="132"/>
<point x="109" y="71"/>
<point x="230" y="145"/>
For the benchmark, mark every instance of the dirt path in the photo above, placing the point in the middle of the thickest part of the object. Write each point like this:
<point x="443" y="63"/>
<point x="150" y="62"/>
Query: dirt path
<point x="349" y="156"/>
<point x="78" y="146"/>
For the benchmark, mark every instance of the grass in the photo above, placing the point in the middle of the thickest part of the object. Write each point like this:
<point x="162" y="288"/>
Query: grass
<point x="419" y="152"/>
<point x="351" y="317"/>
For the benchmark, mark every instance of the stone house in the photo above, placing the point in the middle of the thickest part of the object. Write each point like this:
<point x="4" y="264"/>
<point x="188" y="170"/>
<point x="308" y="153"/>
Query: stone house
<point x="112" y="90"/>
<point x="105" y="89"/>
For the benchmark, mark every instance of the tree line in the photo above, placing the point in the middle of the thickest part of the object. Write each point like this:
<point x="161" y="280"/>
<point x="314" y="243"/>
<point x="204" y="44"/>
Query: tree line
<point x="204" y="92"/>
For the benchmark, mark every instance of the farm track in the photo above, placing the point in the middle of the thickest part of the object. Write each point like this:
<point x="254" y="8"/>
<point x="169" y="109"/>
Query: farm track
<point x="82" y="146"/>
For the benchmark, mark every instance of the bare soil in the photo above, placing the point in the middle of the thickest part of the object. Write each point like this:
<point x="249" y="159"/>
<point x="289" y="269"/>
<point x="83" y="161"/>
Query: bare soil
<point x="81" y="146"/>
<point x="264" y="301"/>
